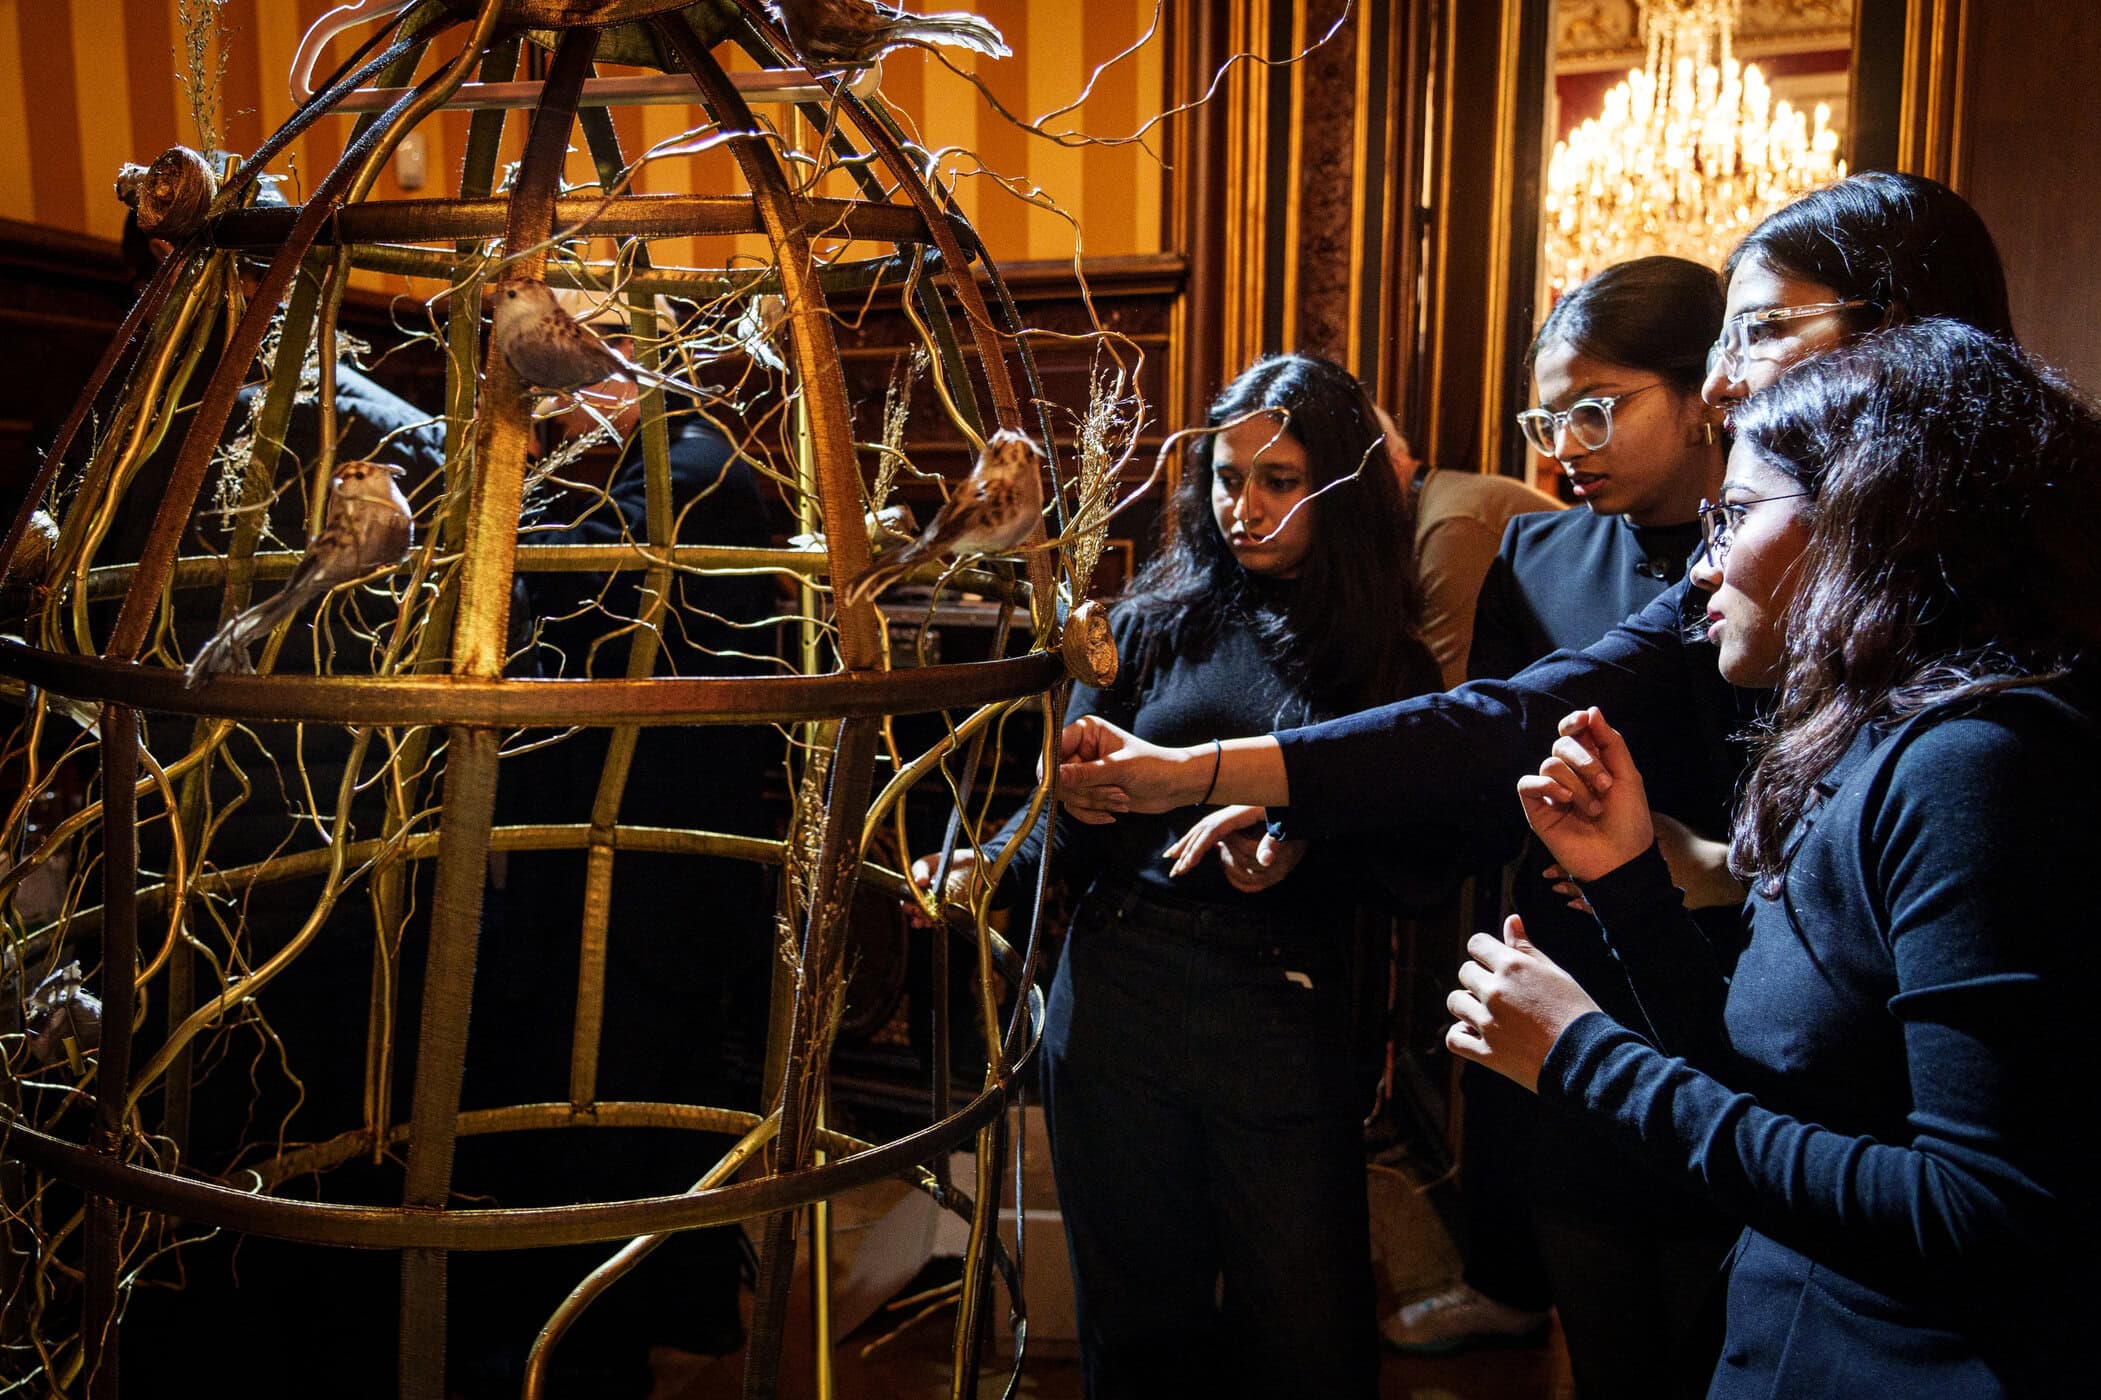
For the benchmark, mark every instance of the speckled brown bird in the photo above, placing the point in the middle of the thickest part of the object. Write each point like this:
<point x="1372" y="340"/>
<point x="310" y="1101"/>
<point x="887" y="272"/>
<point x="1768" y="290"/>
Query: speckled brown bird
<point x="851" y="33"/>
<point x="994" y="509"/>
<point x="553" y="352"/>
<point x="369" y="527"/>
<point x="31" y="559"/>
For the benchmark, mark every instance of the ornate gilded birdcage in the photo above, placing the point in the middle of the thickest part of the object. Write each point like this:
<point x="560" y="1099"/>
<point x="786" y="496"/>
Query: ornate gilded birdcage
<point x="412" y="671"/>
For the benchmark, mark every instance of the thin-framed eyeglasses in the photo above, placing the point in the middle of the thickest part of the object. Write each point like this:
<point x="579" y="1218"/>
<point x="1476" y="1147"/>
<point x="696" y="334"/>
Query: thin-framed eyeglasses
<point x="1718" y="523"/>
<point x="1589" y="421"/>
<point x="1763" y="336"/>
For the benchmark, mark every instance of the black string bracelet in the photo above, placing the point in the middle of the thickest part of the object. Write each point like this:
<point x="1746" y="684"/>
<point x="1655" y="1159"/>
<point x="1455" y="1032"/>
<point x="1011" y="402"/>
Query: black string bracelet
<point x="1218" y="753"/>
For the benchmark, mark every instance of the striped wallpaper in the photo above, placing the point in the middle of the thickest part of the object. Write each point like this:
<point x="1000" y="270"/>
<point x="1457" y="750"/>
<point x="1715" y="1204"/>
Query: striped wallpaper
<point x="88" y="84"/>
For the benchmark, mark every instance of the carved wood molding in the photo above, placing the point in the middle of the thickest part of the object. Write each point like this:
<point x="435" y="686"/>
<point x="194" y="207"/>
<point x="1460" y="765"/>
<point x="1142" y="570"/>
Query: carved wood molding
<point x="1607" y="33"/>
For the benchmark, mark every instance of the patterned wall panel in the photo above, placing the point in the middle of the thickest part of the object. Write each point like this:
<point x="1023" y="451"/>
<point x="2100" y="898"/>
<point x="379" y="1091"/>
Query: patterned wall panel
<point x="88" y="84"/>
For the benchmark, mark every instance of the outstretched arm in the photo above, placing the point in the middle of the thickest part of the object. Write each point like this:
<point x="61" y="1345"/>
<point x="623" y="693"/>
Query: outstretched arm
<point x="1107" y="770"/>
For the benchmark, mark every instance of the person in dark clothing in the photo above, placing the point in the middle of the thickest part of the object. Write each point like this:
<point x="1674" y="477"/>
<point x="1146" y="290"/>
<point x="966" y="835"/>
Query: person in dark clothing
<point x="1879" y="246"/>
<point x="1905" y="547"/>
<point x="1203" y="1107"/>
<point x="1618" y="367"/>
<point x="687" y="941"/>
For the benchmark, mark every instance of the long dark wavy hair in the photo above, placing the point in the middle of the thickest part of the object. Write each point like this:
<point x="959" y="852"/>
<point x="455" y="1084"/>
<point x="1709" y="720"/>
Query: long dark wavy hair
<point x="1954" y="503"/>
<point x="1654" y="314"/>
<point x="1910" y="245"/>
<point x="1344" y="630"/>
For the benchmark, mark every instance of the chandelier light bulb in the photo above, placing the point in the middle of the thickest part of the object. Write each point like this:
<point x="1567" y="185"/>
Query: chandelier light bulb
<point x="1689" y="153"/>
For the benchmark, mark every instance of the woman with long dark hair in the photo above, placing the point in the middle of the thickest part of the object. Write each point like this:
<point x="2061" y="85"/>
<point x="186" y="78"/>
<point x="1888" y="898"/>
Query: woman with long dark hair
<point x="1553" y="1214"/>
<point x="1203" y="1106"/>
<point x="1905" y="547"/>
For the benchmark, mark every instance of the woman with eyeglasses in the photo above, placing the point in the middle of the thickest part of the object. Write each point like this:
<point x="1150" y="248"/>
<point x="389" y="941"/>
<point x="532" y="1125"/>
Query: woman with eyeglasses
<point x="1553" y="1215"/>
<point x="1904" y="244"/>
<point x="1905" y="548"/>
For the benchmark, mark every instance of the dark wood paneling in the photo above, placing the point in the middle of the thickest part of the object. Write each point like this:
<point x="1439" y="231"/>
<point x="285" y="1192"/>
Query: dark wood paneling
<point x="2031" y="158"/>
<point x="62" y="295"/>
<point x="1135" y="297"/>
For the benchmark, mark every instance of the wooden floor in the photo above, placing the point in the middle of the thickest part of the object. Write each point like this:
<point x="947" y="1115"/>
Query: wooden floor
<point x="915" y="1367"/>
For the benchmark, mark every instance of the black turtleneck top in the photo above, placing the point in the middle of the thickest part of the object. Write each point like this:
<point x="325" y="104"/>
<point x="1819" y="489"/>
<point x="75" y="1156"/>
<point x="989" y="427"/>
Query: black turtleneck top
<point x="1563" y="579"/>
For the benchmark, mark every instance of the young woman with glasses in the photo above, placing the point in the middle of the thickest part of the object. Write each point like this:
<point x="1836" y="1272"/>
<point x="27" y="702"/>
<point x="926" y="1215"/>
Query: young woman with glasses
<point x="1905" y="549"/>
<point x="1204" y="1106"/>
<point x="1617" y="369"/>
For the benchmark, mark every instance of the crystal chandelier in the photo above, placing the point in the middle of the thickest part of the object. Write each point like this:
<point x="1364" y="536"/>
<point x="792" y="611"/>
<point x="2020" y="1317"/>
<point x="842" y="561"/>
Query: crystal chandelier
<point x="1689" y="154"/>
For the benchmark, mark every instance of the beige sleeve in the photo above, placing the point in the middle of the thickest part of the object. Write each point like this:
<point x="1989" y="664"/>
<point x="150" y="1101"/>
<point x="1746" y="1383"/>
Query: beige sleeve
<point x="1451" y="559"/>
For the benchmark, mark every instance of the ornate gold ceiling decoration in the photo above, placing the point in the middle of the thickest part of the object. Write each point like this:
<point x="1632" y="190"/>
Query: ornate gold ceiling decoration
<point x="1607" y="33"/>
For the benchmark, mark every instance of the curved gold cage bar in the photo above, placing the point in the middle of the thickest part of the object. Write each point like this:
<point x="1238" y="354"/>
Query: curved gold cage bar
<point x="438" y="704"/>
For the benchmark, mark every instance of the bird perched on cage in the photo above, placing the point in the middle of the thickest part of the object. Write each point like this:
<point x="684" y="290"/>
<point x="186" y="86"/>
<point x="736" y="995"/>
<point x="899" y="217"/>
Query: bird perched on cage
<point x="552" y="351"/>
<point x="368" y="527"/>
<point x="31" y="559"/>
<point x="61" y="1009"/>
<point x="763" y="317"/>
<point x="994" y="509"/>
<point x="852" y="33"/>
<point x="170" y="196"/>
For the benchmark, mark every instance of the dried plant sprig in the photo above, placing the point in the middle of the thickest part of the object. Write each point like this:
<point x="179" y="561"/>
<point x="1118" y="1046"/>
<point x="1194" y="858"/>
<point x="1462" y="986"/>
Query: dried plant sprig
<point x="897" y="410"/>
<point x="202" y="69"/>
<point x="1110" y="416"/>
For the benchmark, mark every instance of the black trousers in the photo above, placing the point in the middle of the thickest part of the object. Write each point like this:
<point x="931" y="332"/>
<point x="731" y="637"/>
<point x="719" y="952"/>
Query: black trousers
<point x="1204" y="1130"/>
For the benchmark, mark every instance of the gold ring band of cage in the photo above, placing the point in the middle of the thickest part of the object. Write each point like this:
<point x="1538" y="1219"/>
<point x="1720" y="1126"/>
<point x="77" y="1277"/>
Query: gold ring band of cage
<point x="433" y="723"/>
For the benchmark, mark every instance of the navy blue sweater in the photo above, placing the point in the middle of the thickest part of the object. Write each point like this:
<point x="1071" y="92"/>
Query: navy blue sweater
<point x="1452" y="760"/>
<point x="1903" y="1051"/>
<point x="1564" y="578"/>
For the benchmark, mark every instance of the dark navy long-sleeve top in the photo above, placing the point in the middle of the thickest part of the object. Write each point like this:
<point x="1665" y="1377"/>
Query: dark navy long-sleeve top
<point x="1452" y="760"/>
<point x="1563" y="579"/>
<point x="1905" y="1067"/>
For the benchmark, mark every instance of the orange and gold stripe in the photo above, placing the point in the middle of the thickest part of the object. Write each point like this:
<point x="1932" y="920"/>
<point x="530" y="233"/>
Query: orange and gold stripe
<point x="86" y="85"/>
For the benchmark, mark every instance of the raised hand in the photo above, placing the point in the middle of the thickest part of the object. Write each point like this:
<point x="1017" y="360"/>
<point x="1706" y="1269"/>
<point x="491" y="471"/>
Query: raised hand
<point x="1588" y="802"/>
<point x="1513" y="1002"/>
<point x="955" y="890"/>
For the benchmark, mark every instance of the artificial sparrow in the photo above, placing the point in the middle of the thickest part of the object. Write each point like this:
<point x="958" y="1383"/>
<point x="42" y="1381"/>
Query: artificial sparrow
<point x="61" y="1009"/>
<point x="553" y="352"/>
<point x="31" y="560"/>
<point x="994" y="509"/>
<point x="368" y="527"/>
<point x="850" y="33"/>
